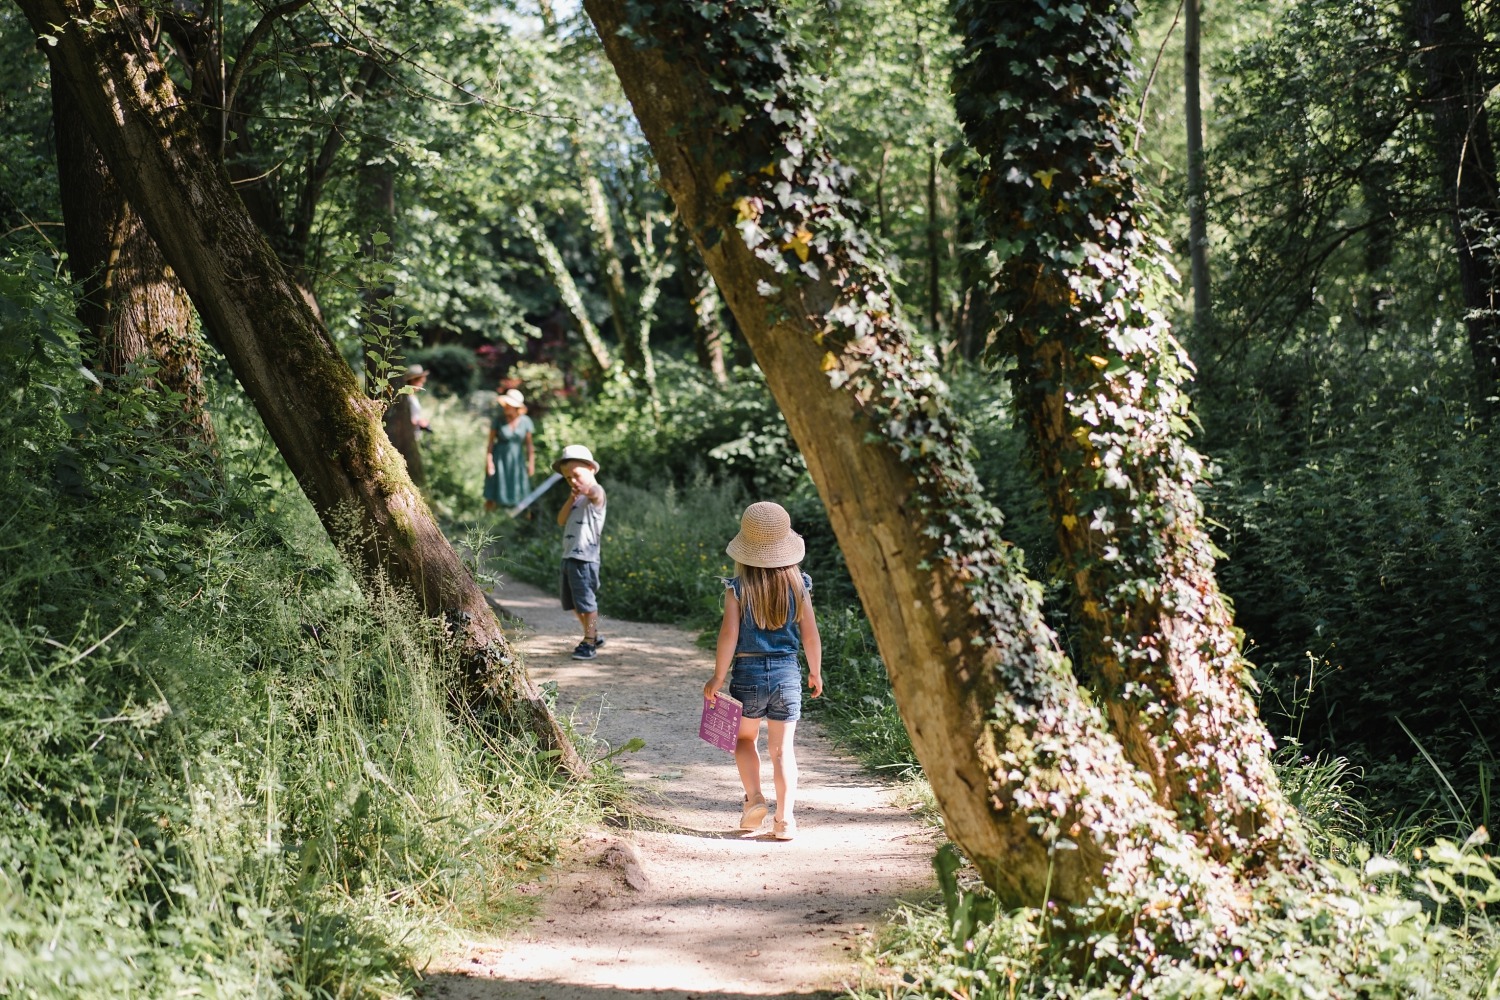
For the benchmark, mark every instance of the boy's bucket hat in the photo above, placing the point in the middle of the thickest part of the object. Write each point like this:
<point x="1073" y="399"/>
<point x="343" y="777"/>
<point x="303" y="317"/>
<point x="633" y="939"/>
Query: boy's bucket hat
<point x="575" y="453"/>
<point x="766" y="538"/>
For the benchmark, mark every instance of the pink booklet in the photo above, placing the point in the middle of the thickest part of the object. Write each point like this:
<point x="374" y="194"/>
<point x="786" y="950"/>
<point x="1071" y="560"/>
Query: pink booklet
<point x="721" y="721"/>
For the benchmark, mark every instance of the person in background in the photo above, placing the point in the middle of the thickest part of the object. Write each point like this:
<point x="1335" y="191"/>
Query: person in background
<point x="510" y="456"/>
<point x="416" y="377"/>
<point x="582" y="521"/>
<point x="768" y="615"/>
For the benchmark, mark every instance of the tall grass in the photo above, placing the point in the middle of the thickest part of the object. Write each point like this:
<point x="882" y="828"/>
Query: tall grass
<point x="223" y="769"/>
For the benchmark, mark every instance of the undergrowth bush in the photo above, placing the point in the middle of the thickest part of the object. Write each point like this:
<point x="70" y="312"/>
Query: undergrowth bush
<point x="1370" y="925"/>
<point x="732" y="432"/>
<point x="225" y="770"/>
<point x="1369" y="549"/>
<point x="662" y="556"/>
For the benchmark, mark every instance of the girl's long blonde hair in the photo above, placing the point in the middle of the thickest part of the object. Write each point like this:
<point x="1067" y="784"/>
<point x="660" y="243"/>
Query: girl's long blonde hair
<point x="773" y="597"/>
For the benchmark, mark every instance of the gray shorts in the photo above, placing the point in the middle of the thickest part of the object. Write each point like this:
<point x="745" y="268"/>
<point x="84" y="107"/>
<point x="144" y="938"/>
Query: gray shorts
<point x="580" y="585"/>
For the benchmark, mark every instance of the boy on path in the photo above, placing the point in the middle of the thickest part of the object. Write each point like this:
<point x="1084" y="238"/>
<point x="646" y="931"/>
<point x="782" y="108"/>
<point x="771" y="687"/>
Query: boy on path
<point x="582" y="521"/>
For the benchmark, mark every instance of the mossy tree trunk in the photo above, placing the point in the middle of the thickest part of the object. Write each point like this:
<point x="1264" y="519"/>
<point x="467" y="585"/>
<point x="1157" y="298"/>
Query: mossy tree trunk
<point x="133" y="306"/>
<point x="1032" y="785"/>
<point x="1099" y="388"/>
<point x="325" y="426"/>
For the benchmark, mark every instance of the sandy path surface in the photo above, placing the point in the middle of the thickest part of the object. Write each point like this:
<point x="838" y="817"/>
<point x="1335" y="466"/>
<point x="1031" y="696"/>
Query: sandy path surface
<point x="678" y="903"/>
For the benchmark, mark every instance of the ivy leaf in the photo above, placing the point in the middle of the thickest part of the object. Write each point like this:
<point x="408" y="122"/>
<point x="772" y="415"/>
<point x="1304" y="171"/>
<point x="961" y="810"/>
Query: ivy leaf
<point x="800" y="244"/>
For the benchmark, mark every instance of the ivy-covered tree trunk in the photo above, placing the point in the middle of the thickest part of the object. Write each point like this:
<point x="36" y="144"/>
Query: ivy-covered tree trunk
<point x="1032" y="785"/>
<point x="1099" y="387"/>
<point x="1457" y="87"/>
<point x="133" y="306"/>
<point x="325" y="426"/>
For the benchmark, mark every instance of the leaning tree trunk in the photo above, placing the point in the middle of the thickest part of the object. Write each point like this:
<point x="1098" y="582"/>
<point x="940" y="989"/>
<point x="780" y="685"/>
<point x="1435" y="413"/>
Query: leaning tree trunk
<point x="325" y="426"/>
<point x="562" y="279"/>
<point x="1456" y="91"/>
<point x="133" y="306"/>
<point x="1098" y="387"/>
<point x="1032" y="786"/>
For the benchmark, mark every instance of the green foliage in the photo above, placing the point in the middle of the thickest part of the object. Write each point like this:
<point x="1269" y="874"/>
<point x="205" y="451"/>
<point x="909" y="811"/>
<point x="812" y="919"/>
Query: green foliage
<point x="225" y="771"/>
<point x="857" y="704"/>
<point x="1369" y="549"/>
<point x="729" y="432"/>
<point x="662" y="557"/>
<point x="453" y="456"/>
<point x="1377" y="928"/>
<point x="454" y="368"/>
<point x="1333" y="230"/>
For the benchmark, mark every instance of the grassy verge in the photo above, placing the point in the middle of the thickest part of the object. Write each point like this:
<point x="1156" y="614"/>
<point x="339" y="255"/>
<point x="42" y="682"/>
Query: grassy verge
<point x="225" y="771"/>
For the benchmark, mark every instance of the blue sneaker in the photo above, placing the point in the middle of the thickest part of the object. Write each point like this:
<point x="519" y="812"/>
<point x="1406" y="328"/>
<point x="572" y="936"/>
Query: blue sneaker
<point x="584" y="651"/>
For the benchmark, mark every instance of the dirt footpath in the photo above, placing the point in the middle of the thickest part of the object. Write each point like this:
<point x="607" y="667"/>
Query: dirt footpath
<point x="680" y="903"/>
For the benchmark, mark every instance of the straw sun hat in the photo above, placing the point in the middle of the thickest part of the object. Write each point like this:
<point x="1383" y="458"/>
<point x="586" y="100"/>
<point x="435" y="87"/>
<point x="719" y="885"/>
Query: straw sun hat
<point x="575" y="453"/>
<point x="513" y="399"/>
<point x="766" y="538"/>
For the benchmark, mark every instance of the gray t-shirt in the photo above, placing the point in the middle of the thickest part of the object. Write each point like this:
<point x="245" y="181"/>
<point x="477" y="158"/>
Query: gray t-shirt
<point x="583" y="530"/>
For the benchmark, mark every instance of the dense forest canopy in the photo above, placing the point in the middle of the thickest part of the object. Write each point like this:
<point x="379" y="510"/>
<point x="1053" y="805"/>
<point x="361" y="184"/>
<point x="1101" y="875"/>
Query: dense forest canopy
<point x="1179" y="590"/>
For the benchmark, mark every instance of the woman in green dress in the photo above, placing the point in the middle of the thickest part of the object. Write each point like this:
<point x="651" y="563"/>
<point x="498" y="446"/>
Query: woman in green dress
<point x="510" y="458"/>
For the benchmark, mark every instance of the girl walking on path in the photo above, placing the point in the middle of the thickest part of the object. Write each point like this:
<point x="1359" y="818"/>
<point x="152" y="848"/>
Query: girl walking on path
<point x="510" y="458"/>
<point x="768" y="614"/>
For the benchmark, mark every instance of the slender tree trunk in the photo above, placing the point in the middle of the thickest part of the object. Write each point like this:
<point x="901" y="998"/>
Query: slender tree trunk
<point x="709" y="334"/>
<point x="133" y="306"/>
<point x="1196" y="194"/>
<point x="567" y="290"/>
<point x="603" y="228"/>
<point x="934" y="248"/>
<point x="1099" y="389"/>
<point x="1456" y="92"/>
<point x="654" y="267"/>
<point x="1033" y="788"/>
<point x="322" y="422"/>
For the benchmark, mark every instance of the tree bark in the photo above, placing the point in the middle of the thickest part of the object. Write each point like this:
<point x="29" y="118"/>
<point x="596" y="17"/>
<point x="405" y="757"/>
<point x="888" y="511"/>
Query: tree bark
<point x="1456" y="91"/>
<point x="1032" y="787"/>
<point x="1196" y="194"/>
<point x="327" y="429"/>
<point x="1098" y="387"/>
<point x="562" y="279"/>
<point x="702" y="294"/>
<point x="133" y="306"/>
<point x="603" y="228"/>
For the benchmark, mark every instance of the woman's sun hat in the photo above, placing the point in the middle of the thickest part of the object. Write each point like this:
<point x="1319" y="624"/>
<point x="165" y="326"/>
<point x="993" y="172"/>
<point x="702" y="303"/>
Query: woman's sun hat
<point x="513" y="399"/>
<point x="766" y="538"/>
<point x="575" y="453"/>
